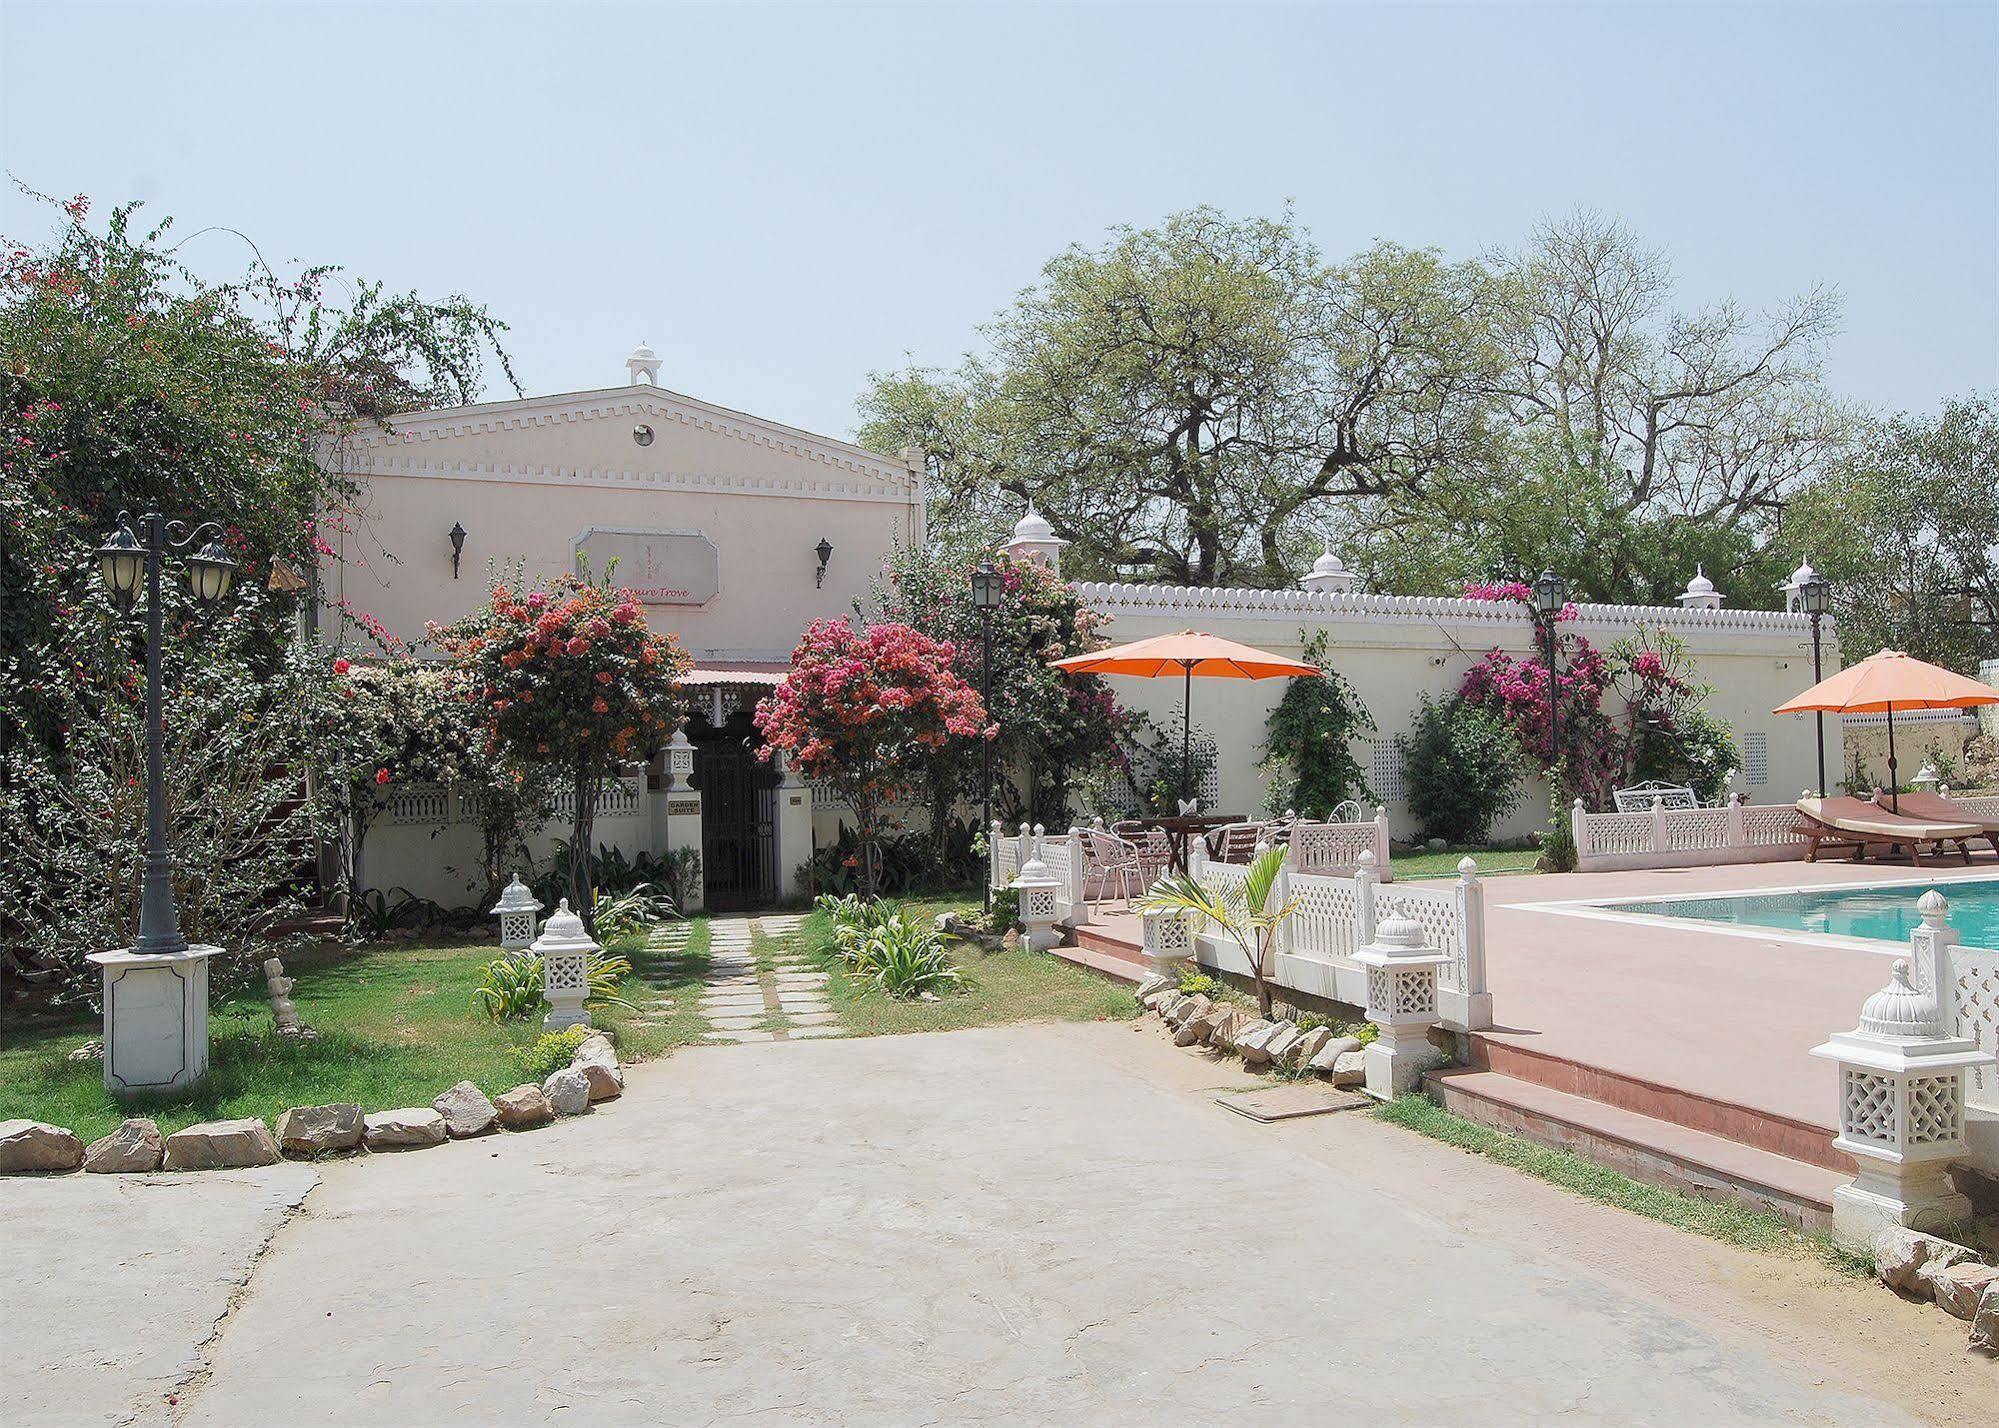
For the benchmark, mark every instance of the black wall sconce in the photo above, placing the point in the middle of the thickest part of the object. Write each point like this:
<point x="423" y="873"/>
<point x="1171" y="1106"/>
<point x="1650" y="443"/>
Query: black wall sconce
<point x="457" y="547"/>
<point x="824" y="550"/>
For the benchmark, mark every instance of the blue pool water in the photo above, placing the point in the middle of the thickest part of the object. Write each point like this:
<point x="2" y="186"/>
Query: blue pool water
<point x="1885" y="914"/>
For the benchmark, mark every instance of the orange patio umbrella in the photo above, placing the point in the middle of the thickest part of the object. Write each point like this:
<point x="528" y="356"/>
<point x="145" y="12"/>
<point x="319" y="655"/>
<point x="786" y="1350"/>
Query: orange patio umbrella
<point x="1187" y="654"/>
<point x="1885" y="682"/>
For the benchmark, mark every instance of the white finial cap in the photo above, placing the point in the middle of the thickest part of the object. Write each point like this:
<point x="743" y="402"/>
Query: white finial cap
<point x="643" y="365"/>
<point x="563" y="932"/>
<point x="1898" y="1009"/>
<point x="517" y="896"/>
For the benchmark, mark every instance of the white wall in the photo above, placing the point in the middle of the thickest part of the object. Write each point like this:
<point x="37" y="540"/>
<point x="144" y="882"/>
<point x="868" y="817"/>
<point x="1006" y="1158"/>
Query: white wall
<point x="1393" y="649"/>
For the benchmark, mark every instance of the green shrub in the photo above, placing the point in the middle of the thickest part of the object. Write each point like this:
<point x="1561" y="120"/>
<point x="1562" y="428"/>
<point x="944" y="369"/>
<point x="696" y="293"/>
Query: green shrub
<point x="1005" y="914"/>
<point x="510" y="989"/>
<point x="626" y="914"/>
<point x="899" y="955"/>
<point x="1463" y="767"/>
<point x="549" y="1052"/>
<point x="1195" y="983"/>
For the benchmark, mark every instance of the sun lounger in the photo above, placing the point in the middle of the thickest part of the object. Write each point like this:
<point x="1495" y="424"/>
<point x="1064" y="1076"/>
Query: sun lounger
<point x="1934" y="807"/>
<point x="1857" y="824"/>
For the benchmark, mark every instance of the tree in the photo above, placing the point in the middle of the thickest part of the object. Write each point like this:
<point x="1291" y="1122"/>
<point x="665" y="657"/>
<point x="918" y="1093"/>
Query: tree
<point x="569" y="675"/>
<point x="1308" y="761"/>
<point x="1243" y="911"/>
<point x="1050" y="728"/>
<point x="1186" y="401"/>
<point x="1463" y="765"/>
<point x="1907" y="530"/>
<point x="863" y="711"/>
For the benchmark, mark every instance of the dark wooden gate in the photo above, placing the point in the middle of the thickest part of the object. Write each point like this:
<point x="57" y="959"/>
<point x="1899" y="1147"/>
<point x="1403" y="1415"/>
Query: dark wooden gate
<point x="738" y="818"/>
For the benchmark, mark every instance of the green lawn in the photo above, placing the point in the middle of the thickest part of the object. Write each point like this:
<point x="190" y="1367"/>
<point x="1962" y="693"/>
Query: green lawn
<point x="1445" y="864"/>
<point x="1006" y="986"/>
<point x="396" y="1026"/>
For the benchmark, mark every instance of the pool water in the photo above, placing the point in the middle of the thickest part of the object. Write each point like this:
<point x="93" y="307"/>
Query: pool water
<point x="1886" y="914"/>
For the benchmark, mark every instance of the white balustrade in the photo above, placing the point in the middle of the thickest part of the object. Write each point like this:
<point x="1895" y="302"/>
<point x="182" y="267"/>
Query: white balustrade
<point x="1663" y="837"/>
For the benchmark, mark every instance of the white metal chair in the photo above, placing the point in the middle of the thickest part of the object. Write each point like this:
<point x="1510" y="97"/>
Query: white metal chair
<point x="1640" y="797"/>
<point x="1350" y="810"/>
<point x="1110" y="860"/>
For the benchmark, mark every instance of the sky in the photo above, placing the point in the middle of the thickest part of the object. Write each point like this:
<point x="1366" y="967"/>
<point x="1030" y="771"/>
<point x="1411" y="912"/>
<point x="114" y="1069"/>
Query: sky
<point x="783" y="199"/>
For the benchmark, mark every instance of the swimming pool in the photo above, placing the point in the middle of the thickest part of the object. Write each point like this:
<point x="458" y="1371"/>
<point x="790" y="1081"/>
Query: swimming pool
<point x="1884" y="914"/>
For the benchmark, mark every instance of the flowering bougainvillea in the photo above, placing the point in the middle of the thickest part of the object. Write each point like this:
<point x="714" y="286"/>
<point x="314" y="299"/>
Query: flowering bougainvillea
<point x="862" y="710"/>
<point x="570" y="674"/>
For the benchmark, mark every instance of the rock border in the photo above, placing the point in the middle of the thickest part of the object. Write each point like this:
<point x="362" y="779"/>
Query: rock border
<point x="1949" y="1275"/>
<point x="136" y="1147"/>
<point x="1199" y="1021"/>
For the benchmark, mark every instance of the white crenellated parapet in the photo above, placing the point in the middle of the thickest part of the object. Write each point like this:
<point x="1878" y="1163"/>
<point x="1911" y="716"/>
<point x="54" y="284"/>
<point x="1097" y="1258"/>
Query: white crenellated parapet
<point x="1402" y="971"/>
<point x="1902" y="1077"/>
<point x="1038" y="887"/>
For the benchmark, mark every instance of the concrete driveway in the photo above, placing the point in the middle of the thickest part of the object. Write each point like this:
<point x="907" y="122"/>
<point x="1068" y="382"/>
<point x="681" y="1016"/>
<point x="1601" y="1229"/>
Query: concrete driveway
<point x="1026" y="1224"/>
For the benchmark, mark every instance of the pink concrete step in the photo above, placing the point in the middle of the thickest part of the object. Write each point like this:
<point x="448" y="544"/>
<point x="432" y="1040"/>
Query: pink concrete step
<point x="1107" y="954"/>
<point x="1650" y="1150"/>
<point x="1761" y="1129"/>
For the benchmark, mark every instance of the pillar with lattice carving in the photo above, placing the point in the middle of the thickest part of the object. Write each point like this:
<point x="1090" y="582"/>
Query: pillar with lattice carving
<point x="1402" y="974"/>
<point x="1037" y="887"/>
<point x="565" y="950"/>
<point x="1901" y="1094"/>
<point x="516" y="910"/>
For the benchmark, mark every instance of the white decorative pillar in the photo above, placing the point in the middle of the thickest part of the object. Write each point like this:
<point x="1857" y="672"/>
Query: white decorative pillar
<point x="793" y="840"/>
<point x="516" y="910"/>
<point x="565" y="949"/>
<point x="155" y="1018"/>
<point x="1037" y="887"/>
<point x="1402" y="1003"/>
<point x="1738" y="827"/>
<point x="1168" y="939"/>
<point x="1579" y="831"/>
<point x="1471" y="927"/>
<point x="995" y="836"/>
<point x="1078" y="872"/>
<point x="679" y="813"/>
<point x="1901" y="1094"/>
<point x="1364" y="883"/>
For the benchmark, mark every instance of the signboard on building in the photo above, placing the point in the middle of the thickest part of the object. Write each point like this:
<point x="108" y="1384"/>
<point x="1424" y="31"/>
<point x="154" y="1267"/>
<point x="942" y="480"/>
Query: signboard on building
<point x="661" y="567"/>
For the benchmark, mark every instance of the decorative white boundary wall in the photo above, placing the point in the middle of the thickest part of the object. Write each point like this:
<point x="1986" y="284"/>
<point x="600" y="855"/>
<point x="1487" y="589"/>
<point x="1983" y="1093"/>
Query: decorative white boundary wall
<point x="1336" y="917"/>
<point x="1975" y="1004"/>
<point x="1664" y="837"/>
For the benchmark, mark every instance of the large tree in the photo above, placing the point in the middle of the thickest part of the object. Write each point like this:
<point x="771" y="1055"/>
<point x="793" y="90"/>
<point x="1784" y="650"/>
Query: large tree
<point x="1907" y="529"/>
<point x="1186" y="402"/>
<point x="1200" y="402"/>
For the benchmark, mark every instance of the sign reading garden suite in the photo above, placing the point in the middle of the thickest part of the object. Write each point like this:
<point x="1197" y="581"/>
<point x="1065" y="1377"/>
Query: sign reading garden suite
<point x="660" y="567"/>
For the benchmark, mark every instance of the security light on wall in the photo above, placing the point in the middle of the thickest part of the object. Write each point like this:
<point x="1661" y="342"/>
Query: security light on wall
<point x="824" y="550"/>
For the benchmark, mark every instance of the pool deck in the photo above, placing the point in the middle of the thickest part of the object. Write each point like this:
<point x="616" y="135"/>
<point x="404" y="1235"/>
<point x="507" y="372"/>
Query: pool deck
<point x="1709" y="1031"/>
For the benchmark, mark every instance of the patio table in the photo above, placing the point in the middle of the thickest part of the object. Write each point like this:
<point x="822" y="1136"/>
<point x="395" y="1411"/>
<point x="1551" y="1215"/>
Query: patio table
<point x="1181" y="827"/>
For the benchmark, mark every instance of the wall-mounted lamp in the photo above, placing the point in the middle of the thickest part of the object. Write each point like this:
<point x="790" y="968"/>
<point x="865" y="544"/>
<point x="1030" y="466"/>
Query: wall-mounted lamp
<point x="457" y="547"/>
<point x="824" y="550"/>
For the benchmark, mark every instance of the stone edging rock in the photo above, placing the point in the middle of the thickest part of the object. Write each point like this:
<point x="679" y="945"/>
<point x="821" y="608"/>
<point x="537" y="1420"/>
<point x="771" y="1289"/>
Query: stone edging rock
<point x="308" y="1132"/>
<point x="1950" y="1276"/>
<point x="1198" y="1021"/>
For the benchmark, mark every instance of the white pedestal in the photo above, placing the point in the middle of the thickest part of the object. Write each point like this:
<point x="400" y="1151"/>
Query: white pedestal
<point x="565" y="985"/>
<point x="155" y="1018"/>
<point x="1398" y="1060"/>
<point x="1914" y="1196"/>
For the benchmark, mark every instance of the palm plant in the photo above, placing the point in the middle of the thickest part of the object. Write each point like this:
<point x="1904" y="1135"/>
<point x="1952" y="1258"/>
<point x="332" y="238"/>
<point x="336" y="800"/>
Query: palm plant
<point x="1243" y="912"/>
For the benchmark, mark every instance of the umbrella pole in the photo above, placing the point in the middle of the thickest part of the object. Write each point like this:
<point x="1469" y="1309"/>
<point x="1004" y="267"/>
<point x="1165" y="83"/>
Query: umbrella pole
<point x="1894" y="782"/>
<point x="1187" y="730"/>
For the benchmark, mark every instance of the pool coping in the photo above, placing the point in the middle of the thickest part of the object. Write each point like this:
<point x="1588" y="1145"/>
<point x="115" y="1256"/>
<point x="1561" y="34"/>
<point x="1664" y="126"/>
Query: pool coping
<point x="1605" y="910"/>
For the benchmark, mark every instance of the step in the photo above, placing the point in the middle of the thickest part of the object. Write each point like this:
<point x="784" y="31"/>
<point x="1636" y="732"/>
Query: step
<point x="1106" y="955"/>
<point x="1650" y="1150"/>
<point x="1763" y="1130"/>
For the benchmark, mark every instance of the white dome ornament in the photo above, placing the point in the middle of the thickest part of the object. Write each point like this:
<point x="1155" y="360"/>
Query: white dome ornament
<point x="1329" y="575"/>
<point x="1793" y="587"/>
<point x="1700" y="593"/>
<point x="516" y="909"/>
<point x="1034" y="542"/>
<point x="643" y="366"/>
<point x="565" y="950"/>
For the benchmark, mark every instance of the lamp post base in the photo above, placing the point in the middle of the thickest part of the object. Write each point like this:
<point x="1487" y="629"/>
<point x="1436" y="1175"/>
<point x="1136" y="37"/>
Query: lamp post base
<point x="155" y="1018"/>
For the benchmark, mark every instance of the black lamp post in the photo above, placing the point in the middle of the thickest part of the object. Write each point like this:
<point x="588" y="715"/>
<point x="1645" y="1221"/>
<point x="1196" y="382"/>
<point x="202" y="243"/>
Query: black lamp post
<point x="1551" y="595"/>
<point x="987" y="589"/>
<point x="1815" y="595"/>
<point x="123" y="560"/>
<point x="824" y="550"/>
<point x="457" y="537"/>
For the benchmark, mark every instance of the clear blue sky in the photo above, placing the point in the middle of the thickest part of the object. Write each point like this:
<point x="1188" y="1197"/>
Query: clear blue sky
<point x="784" y="198"/>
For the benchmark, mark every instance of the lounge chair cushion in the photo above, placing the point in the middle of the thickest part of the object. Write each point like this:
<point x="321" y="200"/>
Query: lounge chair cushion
<point x="1935" y="807"/>
<point x="1857" y="815"/>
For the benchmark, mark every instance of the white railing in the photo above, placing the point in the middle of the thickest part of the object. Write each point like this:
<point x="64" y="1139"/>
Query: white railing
<point x="1060" y="853"/>
<point x="1975" y="1002"/>
<point x="616" y="798"/>
<point x="1685" y="837"/>
<point x="1337" y="847"/>
<point x="439" y="805"/>
<point x="1336" y="917"/>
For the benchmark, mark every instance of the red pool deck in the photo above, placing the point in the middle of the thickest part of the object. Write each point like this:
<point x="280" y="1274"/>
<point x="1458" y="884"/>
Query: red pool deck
<point x="1705" y="1030"/>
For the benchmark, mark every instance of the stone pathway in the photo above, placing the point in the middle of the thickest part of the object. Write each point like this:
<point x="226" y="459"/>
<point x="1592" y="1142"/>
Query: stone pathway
<point x="664" y="948"/>
<point x="787" y="1002"/>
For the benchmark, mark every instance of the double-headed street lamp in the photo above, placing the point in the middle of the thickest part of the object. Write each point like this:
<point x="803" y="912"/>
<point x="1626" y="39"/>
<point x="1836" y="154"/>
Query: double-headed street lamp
<point x="988" y="588"/>
<point x="1815" y="597"/>
<point x="156" y="991"/>
<point x="1551" y="597"/>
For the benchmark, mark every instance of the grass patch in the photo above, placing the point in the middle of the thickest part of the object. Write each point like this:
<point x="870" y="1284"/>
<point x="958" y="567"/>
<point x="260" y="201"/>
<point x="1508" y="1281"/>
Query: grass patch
<point x="1445" y="864"/>
<point x="396" y="1026"/>
<point x="1011" y="985"/>
<point x="1730" y="1223"/>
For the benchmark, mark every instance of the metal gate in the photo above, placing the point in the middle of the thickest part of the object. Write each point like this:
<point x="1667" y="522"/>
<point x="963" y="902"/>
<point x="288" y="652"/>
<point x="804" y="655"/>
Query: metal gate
<point x="738" y="819"/>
